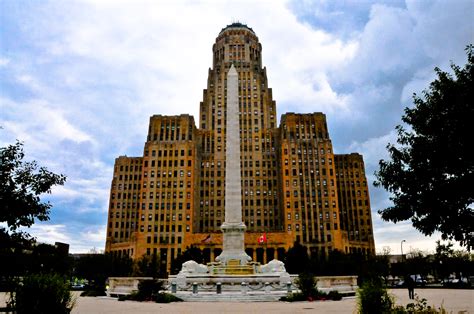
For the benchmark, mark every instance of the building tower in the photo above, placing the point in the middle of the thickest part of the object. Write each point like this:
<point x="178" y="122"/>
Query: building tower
<point x="237" y="44"/>
<point x="294" y="188"/>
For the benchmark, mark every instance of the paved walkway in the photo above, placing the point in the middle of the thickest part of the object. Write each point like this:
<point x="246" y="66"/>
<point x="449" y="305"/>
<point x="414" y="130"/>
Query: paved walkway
<point x="454" y="301"/>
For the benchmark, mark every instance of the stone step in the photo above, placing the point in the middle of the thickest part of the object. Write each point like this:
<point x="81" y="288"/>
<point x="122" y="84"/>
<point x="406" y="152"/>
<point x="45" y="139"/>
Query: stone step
<point x="227" y="297"/>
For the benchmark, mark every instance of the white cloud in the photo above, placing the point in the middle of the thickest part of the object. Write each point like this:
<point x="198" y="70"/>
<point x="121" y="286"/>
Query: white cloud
<point x="49" y="233"/>
<point x="4" y="62"/>
<point x="374" y="149"/>
<point x="37" y="118"/>
<point x="96" y="235"/>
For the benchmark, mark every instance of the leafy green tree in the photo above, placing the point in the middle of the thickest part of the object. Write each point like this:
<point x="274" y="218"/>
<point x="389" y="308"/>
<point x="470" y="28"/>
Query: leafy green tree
<point x="431" y="170"/>
<point x="297" y="259"/>
<point x="42" y="293"/>
<point x="148" y="266"/>
<point x="46" y="258"/>
<point x="21" y="185"/>
<point x="96" y="268"/>
<point x="448" y="261"/>
<point x="372" y="297"/>
<point x="306" y="282"/>
<point x="190" y="254"/>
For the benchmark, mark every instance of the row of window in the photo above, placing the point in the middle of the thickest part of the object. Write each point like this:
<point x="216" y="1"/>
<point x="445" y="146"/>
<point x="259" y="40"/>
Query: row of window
<point x="170" y="153"/>
<point x="169" y="163"/>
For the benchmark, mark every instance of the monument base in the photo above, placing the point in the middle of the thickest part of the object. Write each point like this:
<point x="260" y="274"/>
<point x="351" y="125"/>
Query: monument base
<point x="233" y="267"/>
<point x="233" y="273"/>
<point x="233" y="253"/>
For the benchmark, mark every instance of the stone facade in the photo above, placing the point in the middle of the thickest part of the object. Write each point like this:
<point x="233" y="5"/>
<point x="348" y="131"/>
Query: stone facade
<point x="294" y="188"/>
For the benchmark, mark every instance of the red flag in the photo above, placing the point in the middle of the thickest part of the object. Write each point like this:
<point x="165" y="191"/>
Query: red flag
<point x="262" y="238"/>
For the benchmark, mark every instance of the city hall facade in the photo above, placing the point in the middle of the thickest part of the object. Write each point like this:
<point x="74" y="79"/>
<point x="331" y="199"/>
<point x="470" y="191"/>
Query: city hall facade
<point x="294" y="187"/>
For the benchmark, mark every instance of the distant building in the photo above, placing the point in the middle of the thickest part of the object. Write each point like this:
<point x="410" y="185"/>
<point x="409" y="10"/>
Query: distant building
<point x="294" y="188"/>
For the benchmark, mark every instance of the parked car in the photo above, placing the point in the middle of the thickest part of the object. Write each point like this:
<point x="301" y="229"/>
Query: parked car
<point x="77" y="286"/>
<point x="462" y="282"/>
<point x="420" y="281"/>
<point x="400" y="283"/>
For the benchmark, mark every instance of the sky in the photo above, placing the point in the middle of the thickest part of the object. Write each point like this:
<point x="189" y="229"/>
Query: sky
<point x="80" y="79"/>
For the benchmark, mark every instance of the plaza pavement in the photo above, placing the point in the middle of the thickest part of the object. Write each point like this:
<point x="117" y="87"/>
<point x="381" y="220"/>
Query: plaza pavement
<point x="454" y="301"/>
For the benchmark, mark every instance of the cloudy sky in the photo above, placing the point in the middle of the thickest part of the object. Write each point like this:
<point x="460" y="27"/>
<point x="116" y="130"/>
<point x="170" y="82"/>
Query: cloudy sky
<point x="79" y="80"/>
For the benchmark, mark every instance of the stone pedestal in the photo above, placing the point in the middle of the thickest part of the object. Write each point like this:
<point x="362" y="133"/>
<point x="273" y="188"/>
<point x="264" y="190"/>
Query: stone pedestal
<point x="234" y="246"/>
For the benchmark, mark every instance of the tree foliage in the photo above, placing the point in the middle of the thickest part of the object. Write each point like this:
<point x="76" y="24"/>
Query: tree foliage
<point x="430" y="172"/>
<point x="297" y="259"/>
<point x="21" y="185"/>
<point x="148" y="266"/>
<point x="190" y="254"/>
<point x="96" y="268"/>
<point x="42" y="293"/>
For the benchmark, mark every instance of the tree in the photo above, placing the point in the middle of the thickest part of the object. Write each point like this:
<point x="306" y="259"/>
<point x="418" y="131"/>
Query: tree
<point x="297" y="259"/>
<point x="21" y="185"/>
<point x="431" y="171"/>
<point x="190" y="254"/>
<point x="148" y="266"/>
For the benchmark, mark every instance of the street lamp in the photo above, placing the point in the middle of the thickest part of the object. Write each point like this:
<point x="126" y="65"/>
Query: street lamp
<point x="401" y="247"/>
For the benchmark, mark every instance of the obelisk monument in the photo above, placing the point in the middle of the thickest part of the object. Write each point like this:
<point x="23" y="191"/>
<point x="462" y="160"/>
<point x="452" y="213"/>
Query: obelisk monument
<point x="233" y="227"/>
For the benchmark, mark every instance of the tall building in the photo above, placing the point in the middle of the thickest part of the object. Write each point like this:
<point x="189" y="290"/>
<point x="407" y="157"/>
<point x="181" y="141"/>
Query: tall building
<point x="294" y="188"/>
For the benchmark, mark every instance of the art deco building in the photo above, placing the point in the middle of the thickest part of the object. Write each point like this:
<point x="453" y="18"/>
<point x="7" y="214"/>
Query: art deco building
<point x="294" y="188"/>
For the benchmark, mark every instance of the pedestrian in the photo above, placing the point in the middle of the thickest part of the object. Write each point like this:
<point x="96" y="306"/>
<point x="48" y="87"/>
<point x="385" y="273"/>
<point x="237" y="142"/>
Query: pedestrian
<point x="410" y="283"/>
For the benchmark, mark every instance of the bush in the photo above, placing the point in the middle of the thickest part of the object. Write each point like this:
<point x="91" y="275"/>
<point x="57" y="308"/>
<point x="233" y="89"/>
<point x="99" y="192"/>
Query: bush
<point x="372" y="297"/>
<point x="94" y="289"/>
<point x="93" y="293"/>
<point x="307" y="284"/>
<point x="334" y="295"/>
<point x="42" y="293"/>
<point x="293" y="297"/>
<point x="147" y="291"/>
<point x="167" y="298"/>
<point x="319" y="295"/>
<point x="421" y="306"/>
<point x="134" y="296"/>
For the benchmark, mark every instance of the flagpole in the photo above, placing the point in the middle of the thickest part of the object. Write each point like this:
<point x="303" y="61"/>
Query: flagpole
<point x="266" y="242"/>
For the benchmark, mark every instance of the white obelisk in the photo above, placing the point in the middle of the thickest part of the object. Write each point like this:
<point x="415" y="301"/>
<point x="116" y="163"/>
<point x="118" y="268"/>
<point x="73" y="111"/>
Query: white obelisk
<point x="233" y="226"/>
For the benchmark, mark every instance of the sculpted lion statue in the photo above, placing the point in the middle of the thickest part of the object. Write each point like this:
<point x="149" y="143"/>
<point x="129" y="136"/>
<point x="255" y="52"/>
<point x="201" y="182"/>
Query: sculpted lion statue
<point x="274" y="266"/>
<point x="193" y="267"/>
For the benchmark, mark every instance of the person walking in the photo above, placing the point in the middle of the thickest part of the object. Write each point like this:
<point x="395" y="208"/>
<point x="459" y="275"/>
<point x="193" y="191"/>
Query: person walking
<point x="410" y="283"/>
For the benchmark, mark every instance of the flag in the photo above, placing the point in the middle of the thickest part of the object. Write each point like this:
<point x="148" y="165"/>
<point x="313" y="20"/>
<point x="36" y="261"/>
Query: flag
<point x="207" y="239"/>
<point x="262" y="238"/>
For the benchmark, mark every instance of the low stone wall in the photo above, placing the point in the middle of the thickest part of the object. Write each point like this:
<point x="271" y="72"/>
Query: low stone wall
<point x="124" y="285"/>
<point x="338" y="283"/>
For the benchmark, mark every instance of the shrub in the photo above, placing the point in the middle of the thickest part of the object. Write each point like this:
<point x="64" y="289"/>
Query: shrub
<point x="42" y="293"/>
<point x="149" y="288"/>
<point x="167" y="298"/>
<point x="93" y="293"/>
<point x="94" y="289"/>
<point x="147" y="291"/>
<point x="293" y="297"/>
<point x="307" y="284"/>
<point x="334" y="295"/>
<point x="421" y="306"/>
<point x="372" y="297"/>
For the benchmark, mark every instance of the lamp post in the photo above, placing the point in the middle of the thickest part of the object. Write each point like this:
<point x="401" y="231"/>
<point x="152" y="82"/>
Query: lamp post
<point x="401" y="247"/>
